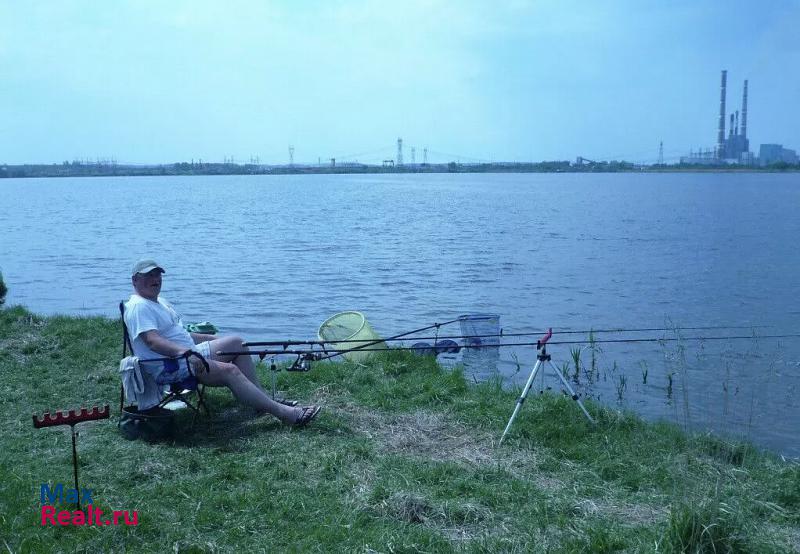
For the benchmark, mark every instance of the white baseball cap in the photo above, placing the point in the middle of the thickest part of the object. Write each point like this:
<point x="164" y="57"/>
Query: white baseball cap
<point x="145" y="265"/>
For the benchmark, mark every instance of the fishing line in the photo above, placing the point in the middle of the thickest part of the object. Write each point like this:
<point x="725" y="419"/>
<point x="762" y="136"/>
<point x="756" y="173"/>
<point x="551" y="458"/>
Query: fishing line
<point x="401" y="336"/>
<point x="676" y="339"/>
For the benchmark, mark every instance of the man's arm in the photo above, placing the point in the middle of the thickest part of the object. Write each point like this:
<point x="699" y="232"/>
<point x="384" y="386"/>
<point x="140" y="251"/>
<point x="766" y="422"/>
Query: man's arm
<point x="157" y="343"/>
<point x="200" y="337"/>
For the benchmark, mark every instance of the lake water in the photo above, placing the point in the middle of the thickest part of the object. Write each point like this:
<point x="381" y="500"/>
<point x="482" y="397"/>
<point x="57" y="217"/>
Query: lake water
<point x="271" y="257"/>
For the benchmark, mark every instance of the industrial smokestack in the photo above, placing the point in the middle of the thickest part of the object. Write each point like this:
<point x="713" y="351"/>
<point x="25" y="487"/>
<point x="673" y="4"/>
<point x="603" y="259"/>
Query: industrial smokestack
<point x="744" y="111"/>
<point x="736" y="132"/>
<point x="721" y="131"/>
<point x="399" y="152"/>
<point x="730" y="132"/>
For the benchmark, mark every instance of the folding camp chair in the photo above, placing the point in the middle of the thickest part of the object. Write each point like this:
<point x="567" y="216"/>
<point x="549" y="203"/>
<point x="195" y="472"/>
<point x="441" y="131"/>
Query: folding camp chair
<point x="177" y="376"/>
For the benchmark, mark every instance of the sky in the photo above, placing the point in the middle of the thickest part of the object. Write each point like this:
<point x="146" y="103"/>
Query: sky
<point x="169" y="81"/>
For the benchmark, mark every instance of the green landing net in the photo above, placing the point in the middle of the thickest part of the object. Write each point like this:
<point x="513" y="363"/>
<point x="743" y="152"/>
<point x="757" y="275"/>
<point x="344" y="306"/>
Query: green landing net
<point x="355" y="330"/>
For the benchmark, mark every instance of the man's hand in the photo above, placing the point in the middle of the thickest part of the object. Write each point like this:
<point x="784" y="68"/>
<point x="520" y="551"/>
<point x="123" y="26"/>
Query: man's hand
<point x="157" y="343"/>
<point x="197" y="364"/>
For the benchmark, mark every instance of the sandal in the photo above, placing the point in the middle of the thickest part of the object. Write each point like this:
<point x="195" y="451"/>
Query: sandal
<point x="286" y="402"/>
<point x="307" y="414"/>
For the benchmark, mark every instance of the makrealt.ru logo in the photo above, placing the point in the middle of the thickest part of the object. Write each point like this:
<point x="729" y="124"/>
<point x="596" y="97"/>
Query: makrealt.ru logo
<point x="56" y="495"/>
<point x="92" y="516"/>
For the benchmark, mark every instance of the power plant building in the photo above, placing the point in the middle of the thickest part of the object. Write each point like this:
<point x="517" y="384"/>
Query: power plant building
<point x="735" y="146"/>
<point x="732" y="147"/>
<point x="776" y="153"/>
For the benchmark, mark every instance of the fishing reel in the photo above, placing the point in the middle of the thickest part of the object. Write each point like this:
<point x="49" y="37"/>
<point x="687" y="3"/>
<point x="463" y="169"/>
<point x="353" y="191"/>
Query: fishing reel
<point x="303" y="361"/>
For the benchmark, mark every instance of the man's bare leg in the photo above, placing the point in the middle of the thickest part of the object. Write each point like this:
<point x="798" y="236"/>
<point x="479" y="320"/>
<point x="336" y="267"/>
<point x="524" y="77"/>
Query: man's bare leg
<point x="244" y="363"/>
<point x="229" y="375"/>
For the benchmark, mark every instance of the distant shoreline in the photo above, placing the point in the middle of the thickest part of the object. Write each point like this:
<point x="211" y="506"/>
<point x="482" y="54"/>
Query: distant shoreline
<point x="191" y="169"/>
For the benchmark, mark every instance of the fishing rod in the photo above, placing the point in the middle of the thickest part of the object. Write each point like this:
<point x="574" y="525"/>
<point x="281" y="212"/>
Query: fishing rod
<point x="640" y="330"/>
<point x="313" y="355"/>
<point x="291" y="342"/>
<point x="677" y="339"/>
<point x="305" y="356"/>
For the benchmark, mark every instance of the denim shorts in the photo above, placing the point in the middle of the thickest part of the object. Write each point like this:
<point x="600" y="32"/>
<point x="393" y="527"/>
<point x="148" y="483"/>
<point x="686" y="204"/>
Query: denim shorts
<point x="173" y="371"/>
<point x="177" y="370"/>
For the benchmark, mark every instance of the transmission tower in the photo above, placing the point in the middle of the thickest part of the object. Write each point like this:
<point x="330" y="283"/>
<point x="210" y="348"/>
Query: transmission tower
<point x="291" y="155"/>
<point x="425" y="156"/>
<point x="661" y="153"/>
<point x="399" y="152"/>
<point x="413" y="156"/>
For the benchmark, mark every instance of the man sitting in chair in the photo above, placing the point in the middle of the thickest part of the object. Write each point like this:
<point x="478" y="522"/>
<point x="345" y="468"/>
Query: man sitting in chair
<point x="157" y="331"/>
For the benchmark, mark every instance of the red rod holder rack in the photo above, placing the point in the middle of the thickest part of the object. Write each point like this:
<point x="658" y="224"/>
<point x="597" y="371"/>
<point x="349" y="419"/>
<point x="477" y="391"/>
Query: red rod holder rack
<point x="72" y="418"/>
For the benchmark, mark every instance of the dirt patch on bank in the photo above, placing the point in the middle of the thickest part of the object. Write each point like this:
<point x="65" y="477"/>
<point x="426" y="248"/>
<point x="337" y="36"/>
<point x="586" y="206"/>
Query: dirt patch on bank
<point x="434" y="436"/>
<point x="439" y="437"/>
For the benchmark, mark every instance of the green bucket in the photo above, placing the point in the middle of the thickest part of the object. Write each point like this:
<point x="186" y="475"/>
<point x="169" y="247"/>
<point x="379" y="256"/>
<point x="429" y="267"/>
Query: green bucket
<point x="353" y="328"/>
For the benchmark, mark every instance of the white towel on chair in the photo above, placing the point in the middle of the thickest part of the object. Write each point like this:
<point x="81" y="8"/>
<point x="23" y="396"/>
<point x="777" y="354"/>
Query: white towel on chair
<point x="139" y="386"/>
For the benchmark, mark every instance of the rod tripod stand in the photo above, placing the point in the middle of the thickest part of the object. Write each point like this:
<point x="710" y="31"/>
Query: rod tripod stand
<point x="541" y="358"/>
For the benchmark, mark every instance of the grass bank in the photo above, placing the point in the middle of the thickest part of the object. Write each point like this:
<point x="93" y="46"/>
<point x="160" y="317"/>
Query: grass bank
<point x="404" y="458"/>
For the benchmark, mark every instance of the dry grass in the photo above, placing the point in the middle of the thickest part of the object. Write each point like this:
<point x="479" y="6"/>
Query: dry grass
<point x="430" y="435"/>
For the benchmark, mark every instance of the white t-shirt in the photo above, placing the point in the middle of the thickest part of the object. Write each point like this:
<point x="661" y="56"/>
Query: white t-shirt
<point x="143" y="315"/>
